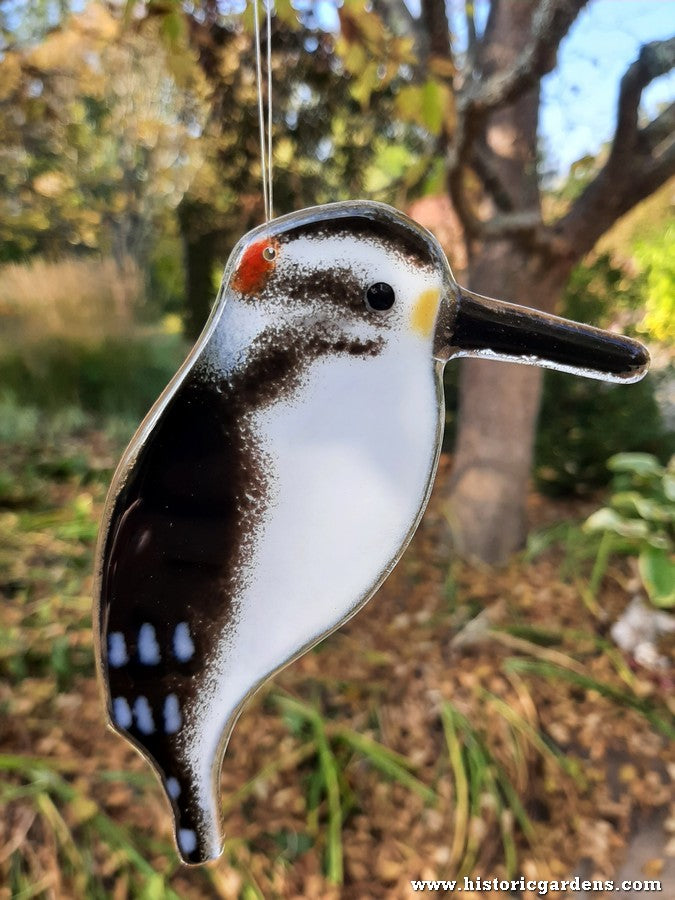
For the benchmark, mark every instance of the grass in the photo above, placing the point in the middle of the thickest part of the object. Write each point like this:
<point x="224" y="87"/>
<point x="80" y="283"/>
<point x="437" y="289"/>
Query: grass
<point x="74" y="298"/>
<point x="329" y="780"/>
<point x="115" y="376"/>
<point x="52" y="485"/>
<point x="482" y="788"/>
<point x="585" y="561"/>
<point x="70" y="340"/>
<point x="622" y="698"/>
<point x="75" y="821"/>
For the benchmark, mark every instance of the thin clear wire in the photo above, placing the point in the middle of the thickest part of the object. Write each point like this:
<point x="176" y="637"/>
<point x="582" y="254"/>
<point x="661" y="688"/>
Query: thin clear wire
<point x="261" y="115"/>
<point x="269" y="109"/>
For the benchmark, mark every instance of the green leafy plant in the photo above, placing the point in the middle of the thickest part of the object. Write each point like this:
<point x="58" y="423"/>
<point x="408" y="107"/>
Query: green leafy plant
<point x="639" y="520"/>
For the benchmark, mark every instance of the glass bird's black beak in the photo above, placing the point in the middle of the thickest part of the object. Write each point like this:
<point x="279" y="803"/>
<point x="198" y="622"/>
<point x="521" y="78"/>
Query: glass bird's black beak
<point x="471" y="325"/>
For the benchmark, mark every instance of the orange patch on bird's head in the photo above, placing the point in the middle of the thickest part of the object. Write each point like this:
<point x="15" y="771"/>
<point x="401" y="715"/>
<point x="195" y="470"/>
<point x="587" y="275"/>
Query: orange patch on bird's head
<point x="256" y="266"/>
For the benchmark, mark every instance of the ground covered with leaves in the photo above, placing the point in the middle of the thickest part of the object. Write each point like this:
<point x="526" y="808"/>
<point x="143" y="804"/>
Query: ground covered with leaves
<point x="467" y="722"/>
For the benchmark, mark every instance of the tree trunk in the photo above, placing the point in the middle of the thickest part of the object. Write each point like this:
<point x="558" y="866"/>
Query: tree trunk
<point x="498" y="402"/>
<point x="498" y="405"/>
<point x="200" y="256"/>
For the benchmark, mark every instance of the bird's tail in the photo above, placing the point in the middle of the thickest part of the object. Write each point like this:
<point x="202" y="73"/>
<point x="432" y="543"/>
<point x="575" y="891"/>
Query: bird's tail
<point x="197" y="819"/>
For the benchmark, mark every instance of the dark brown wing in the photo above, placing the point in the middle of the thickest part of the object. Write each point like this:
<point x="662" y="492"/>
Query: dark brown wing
<point x="171" y="565"/>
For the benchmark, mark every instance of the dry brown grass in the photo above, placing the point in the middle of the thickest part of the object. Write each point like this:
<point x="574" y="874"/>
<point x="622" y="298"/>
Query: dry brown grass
<point x="71" y="298"/>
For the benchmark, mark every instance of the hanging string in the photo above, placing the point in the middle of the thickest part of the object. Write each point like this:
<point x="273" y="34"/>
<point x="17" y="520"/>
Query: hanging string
<point x="268" y="6"/>
<point x="265" y="140"/>
<point x="261" y="115"/>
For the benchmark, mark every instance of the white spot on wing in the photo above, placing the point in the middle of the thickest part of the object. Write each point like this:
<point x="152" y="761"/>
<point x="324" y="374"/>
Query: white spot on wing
<point x="148" y="648"/>
<point x="183" y="646"/>
<point x="172" y="787"/>
<point x="187" y="840"/>
<point x="143" y="715"/>
<point x="121" y="712"/>
<point x="117" y="650"/>
<point x="172" y="716"/>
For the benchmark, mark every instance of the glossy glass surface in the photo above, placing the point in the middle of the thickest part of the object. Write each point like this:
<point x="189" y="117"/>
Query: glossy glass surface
<point x="278" y="479"/>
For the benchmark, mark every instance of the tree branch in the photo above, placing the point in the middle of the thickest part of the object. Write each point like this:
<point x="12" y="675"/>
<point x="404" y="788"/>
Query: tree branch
<point x="550" y="23"/>
<point x="477" y="99"/>
<point x="519" y="223"/>
<point x="656" y="58"/>
<point x="397" y="16"/>
<point x="483" y="164"/>
<point x="436" y="25"/>
<point x="659" y="130"/>
<point x="639" y="162"/>
<point x="472" y="38"/>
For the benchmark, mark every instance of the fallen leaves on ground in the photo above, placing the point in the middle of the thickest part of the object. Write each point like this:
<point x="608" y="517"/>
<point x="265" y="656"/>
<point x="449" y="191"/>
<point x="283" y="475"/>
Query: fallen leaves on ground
<point x="510" y="666"/>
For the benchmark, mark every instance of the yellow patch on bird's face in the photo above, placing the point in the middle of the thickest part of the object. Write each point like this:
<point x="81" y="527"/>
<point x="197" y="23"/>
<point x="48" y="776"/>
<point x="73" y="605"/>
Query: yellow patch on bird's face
<point x="424" y="311"/>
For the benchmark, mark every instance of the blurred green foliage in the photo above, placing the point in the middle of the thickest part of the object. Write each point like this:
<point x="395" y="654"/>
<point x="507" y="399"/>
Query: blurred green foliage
<point x="165" y="290"/>
<point x="117" y="376"/>
<point x="639" y="520"/>
<point x="583" y="422"/>
<point x="600" y="290"/>
<point x="656" y="257"/>
<point x="99" y="144"/>
<point x="125" y="134"/>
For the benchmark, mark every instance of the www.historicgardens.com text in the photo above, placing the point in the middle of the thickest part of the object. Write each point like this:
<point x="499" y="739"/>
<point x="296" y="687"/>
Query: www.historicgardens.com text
<point x="537" y="886"/>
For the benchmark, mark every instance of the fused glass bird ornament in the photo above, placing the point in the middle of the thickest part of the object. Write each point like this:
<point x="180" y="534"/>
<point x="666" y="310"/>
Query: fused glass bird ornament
<point x="279" y="477"/>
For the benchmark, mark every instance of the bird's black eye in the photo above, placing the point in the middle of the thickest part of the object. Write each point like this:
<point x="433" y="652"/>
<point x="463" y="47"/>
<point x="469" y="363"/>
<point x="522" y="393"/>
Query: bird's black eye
<point x="380" y="296"/>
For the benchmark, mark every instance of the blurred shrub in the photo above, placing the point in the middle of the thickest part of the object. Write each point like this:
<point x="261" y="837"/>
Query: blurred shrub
<point x="601" y="291"/>
<point x="73" y="298"/>
<point x="166" y="274"/>
<point x="582" y="423"/>
<point x="656" y="258"/>
<point x="116" y="376"/>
